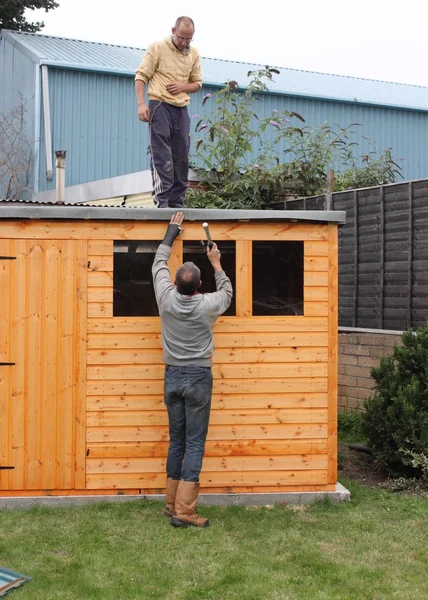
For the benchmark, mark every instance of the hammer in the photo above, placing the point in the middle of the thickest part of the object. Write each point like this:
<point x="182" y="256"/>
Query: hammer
<point x="207" y="233"/>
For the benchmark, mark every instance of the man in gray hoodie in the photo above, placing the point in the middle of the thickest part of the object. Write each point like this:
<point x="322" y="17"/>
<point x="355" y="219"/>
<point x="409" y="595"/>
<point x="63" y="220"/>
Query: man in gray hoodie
<point x="187" y="319"/>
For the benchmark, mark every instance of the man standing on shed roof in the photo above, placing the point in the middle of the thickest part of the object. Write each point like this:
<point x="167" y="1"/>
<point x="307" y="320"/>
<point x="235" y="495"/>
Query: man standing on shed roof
<point x="173" y="71"/>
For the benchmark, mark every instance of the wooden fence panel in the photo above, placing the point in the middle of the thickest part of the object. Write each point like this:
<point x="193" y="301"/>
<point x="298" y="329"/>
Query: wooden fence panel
<point x="383" y="250"/>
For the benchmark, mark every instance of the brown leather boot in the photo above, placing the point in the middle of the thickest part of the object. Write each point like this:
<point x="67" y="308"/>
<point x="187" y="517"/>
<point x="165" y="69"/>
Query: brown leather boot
<point x="171" y="491"/>
<point x="185" y="505"/>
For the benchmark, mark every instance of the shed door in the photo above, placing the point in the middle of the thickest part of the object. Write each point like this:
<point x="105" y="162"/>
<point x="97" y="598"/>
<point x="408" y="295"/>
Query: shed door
<point x="42" y="372"/>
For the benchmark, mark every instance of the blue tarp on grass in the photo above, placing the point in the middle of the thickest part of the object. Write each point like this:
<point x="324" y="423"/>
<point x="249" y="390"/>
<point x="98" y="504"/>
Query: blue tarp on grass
<point x="9" y="580"/>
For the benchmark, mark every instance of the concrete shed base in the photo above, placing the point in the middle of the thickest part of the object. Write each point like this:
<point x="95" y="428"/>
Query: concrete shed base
<point x="340" y="494"/>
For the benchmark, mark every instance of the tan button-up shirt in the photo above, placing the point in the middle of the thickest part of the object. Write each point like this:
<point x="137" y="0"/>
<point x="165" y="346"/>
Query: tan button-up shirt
<point x="163" y="63"/>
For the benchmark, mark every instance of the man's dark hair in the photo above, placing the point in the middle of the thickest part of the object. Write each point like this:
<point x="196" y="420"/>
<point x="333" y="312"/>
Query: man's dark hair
<point x="186" y="20"/>
<point x="187" y="278"/>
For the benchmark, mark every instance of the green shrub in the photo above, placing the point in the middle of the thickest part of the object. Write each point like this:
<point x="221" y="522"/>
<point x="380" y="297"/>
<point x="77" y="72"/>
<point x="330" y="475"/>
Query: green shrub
<point x="350" y="426"/>
<point x="396" y="417"/>
<point x="418" y="461"/>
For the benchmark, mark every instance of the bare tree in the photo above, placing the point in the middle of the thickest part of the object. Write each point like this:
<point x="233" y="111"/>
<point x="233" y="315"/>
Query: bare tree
<point x="16" y="154"/>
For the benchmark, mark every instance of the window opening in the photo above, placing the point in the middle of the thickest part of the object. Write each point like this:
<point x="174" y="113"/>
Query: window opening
<point x="196" y="252"/>
<point x="133" y="293"/>
<point x="277" y="278"/>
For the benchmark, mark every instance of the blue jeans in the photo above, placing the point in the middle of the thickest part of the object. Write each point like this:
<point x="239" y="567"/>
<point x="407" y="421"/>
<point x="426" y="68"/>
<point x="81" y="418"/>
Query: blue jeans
<point x="187" y="395"/>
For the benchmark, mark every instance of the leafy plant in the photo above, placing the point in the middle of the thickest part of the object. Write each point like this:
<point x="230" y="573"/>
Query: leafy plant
<point x="376" y="169"/>
<point x="351" y="424"/>
<point x="230" y="136"/>
<point x="418" y="461"/>
<point x="396" y="417"/>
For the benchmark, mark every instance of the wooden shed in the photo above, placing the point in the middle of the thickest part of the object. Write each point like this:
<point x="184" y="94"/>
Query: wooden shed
<point x="81" y="372"/>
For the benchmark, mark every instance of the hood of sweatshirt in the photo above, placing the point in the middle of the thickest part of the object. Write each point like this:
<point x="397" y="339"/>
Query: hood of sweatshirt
<point x="184" y="306"/>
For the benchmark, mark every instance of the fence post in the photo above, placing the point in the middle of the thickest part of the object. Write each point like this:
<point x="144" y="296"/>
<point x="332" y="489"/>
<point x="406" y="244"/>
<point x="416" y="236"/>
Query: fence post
<point x="330" y="190"/>
<point x="381" y="254"/>
<point x="410" y="258"/>
<point x="355" y="286"/>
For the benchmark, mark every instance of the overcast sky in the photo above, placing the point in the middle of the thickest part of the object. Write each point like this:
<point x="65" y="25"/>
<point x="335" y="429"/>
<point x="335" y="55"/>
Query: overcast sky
<point x="375" y="39"/>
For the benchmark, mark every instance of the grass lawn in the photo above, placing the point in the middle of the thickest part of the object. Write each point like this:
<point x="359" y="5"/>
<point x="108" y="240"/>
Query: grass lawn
<point x="375" y="547"/>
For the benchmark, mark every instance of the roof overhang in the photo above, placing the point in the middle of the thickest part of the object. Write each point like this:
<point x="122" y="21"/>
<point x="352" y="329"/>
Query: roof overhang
<point x="82" y="213"/>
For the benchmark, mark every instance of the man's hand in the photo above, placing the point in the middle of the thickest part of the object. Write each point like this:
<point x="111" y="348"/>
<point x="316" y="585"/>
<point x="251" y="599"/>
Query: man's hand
<point x="177" y="219"/>
<point x="214" y="256"/>
<point x="174" y="229"/>
<point x="143" y="112"/>
<point x="176" y="87"/>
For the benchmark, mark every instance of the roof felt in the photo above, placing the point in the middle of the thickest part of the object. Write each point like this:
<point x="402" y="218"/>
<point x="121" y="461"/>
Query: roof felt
<point x="85" y="55"/>
<point x="101" y="213"/>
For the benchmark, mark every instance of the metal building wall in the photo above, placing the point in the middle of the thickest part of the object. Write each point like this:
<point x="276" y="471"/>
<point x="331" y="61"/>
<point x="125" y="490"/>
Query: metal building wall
<point x="18" y="85"/>
<point x="403" y="130"/>
<point x="93" y="117"/>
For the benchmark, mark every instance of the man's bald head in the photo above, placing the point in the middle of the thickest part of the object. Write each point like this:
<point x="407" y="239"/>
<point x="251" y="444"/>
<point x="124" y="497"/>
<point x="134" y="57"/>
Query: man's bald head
<point x="185" y="21"/>
<point x="188" y="278"/>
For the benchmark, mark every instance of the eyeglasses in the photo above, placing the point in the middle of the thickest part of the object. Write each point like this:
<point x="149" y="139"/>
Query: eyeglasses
<point x="183" y="39"/>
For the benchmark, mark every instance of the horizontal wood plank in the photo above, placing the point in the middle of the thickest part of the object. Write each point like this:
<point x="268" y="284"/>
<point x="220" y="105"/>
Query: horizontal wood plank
<point x="223" y="371"/>
<point x="316" y="279"/>
<point x="221" y="386"/>
<point x="219" y="432"/>
<point x="212" y="464"/>
<point x="98" y="309"/>
<point x="218" y="402"/>
<point x="100" y="248"/>
<point x="101" y="263"/>
<point x="316" y="294"/>
<point x="246" y="478"/>
<point x="315" y="248"/>
<point x="221" y="355"/>
<point x="155" y="231"/>
<point x="100" y="294"/>
<point x="146" y="418"/>
<point x="292" y="324"/>
<point x="316" y="309"/>
<point x="265" y="489"/>
<point x="104" y="295"/>
<point x="316" y="263"/>
<point x="278" y="339"/>
<point x="100" y="279"/>
<point x="232" y="448"/>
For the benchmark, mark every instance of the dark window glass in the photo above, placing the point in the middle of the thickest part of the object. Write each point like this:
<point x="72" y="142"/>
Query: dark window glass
<point x="196" y="252"/>
<point x="133" y="293"/>
<point x="277" y="278"/>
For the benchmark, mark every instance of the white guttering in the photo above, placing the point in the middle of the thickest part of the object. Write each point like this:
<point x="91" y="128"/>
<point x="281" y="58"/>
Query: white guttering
<point x="47" y="120"/>
<point x="37" y="110"/>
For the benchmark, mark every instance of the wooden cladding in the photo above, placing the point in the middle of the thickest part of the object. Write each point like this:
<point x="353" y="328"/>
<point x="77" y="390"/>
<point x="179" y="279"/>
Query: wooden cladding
<point x="42" y="395"/>
<point x="82" y="408"/>
<point x="271" y="397"/>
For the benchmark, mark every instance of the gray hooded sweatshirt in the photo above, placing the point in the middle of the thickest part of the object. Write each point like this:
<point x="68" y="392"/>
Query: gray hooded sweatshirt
<point x="187" y="321"/>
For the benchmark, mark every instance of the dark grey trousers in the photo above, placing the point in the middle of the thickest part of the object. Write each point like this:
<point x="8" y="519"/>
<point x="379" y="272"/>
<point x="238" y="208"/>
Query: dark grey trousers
<point x="169" y="150"/>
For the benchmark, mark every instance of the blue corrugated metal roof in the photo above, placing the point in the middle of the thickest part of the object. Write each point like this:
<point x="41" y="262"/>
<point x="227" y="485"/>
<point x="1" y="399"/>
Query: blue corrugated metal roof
<point x="84" y="55"/>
